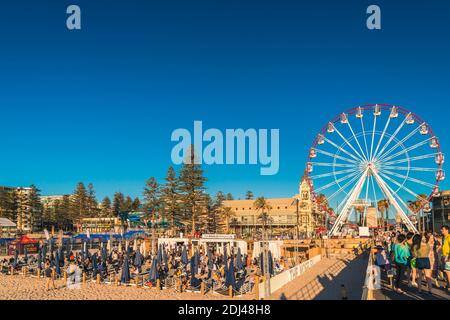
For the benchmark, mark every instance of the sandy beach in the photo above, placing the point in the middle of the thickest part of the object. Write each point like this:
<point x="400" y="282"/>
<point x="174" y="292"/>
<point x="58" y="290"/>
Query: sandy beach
<point x="18" y="287"/>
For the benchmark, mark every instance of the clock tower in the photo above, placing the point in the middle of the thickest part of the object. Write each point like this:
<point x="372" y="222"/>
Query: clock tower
<point x="305" y="208"/>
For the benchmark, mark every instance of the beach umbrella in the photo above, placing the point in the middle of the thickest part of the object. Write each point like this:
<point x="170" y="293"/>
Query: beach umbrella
<point x="261" y="262"/>
<point x="239" y="265"/>
<point x="138" y="259"/>
<point x="225" y="256"/>
<point x="196" y="261"/>
<point x="125" y="278"/>
<point x="52" y="245"/>
<point x="44" y="251"/>
<point x="210" y="260"/>
<point x="104" y="253"/>
<point x="61" y="255"/>
<point x="153" y="273"/>
<point x="225" y="259"/>
<point x="39" y="257"/>
<point x="16" y="255"/>
<point x="94" y="265"/>
<point x="230" y="279"/>
<point x="57" y="266"/>
<point x="82" y="249"/>
<point x="194" y="270"/>
<point x="159" y="257"/>
<point x="270" y="263"/>
<point x="184" y="257"/>
<point x="25" y="253"/>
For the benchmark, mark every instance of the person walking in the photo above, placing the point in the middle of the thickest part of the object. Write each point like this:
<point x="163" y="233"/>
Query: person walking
<point x="411" y="265"/>
<point x="401" y="258"/>
<point x="421" y="251"/>
<point x="446" y="254"/>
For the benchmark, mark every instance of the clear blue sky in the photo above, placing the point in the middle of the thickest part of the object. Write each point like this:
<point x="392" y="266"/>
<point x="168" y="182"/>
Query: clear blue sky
<point x="99" y="105"/>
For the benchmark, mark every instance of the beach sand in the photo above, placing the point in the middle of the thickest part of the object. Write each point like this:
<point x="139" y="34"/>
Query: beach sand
<point x="19" y="287"/>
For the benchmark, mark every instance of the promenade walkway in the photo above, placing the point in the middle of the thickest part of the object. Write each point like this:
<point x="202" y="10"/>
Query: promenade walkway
<point x="324" y="280"/>
<point x="386" y="292"/>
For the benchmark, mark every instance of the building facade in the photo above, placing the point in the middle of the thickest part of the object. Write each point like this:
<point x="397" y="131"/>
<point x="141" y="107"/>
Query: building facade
<point x="21" y="206"/>
<point x="289" y="217"/>
<point x="440" y="212"/>
<point x="49" y="201"/>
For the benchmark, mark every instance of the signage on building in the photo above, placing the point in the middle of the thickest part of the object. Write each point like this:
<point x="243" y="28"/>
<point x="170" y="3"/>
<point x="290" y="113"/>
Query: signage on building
<point x="218" y="236"/>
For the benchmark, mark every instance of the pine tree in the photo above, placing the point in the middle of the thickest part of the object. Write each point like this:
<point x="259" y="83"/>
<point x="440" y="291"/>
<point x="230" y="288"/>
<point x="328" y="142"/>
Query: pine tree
<point x="36" y="208"/>
<point x="118" y="203"/>
<point x="92" y="204"/>
<point x="192" y="189"/>
<point x="211" y="218"/>
<point x="106" y="210"/>
<point x="65" y="210"/>
<point x="128" y="204"/>
<point x="152" y="198"/>
<point x="220" y="197"/>
<point x="135" y="206"/>
<point x="229" y="196"/>
<point x="171" y="197"/>
<point x="80" y="203"/>
<point x="152" y="204"/>
<point x="249" y="195"/>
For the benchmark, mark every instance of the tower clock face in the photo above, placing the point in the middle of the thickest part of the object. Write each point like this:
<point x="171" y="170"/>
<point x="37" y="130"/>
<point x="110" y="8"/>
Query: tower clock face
<point x="305" y="195"/>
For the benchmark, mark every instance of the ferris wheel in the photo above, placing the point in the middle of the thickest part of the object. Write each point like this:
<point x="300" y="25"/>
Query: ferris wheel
<point x="372" y="153"/>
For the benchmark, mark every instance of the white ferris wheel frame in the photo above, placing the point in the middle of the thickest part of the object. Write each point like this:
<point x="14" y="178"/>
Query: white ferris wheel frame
<point x="367" y="163"/>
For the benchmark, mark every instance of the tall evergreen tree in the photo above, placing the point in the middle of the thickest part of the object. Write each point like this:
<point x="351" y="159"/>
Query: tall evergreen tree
<point x="229" y="196"/>
<point x="192" y="189"/>
<point x="153" y="205"/>
<point x="92" y="204"/>
<point x="152" y="198"/>
<point x="106" y="210"/>
<point x="65" y="210"/>
<point x="249" y="195"/>
<point x="36" y="208"/>
<point x="118" y="203"/>
<point x="171" y="197"/>
<point x="128" y="204"/>
<point x="136" y="204"/>
<point x="80" y="202"/>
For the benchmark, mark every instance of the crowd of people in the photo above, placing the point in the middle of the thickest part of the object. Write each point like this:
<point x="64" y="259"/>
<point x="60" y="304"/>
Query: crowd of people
<point x="419" y="258"/>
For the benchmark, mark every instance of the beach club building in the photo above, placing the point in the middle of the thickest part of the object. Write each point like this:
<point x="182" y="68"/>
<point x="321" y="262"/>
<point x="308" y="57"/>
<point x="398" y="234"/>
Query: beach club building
<point x="286" y="215"/>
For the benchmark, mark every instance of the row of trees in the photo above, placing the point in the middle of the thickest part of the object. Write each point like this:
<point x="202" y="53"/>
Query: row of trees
<point x="181" y="201"/>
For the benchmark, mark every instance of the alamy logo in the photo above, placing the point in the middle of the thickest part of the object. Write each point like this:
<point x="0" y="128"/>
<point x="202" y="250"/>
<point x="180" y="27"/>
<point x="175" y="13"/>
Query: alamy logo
<point x="242" y="147"/>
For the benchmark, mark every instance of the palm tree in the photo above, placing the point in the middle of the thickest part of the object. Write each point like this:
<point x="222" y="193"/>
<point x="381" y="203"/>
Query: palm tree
<point x="227" y="213"/>
<point x="262" y="205"/>
<point x="359" y="209"/>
